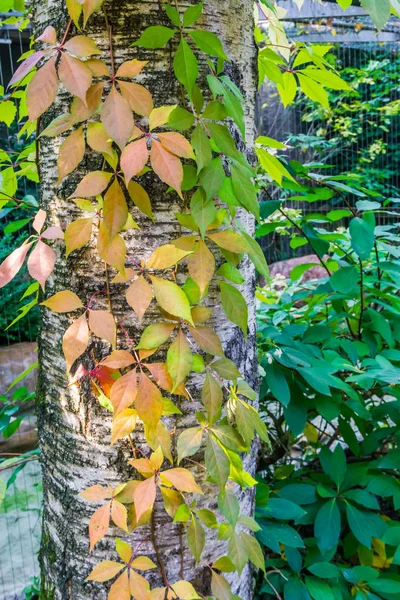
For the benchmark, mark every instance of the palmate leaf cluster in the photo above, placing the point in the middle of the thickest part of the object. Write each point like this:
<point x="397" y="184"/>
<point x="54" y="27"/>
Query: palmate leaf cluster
<point x="329" y="349"/>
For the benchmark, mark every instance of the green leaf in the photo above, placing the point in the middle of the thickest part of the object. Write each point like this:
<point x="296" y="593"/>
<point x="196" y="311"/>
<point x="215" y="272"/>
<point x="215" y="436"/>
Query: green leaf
<point x="180" y="119"/>
<point x="156" y="36"/>
<point x="334" y="463"/>
<point x="207" y="517"/>
<point x="324" y="570"/>
<point x="201" y="146"/>
<point x="379" y="11"/>
<point x="179" y="359"/>
<point x="276" y="380"/>
<point x="296" y="590"/>
<point x="313" y="90"/>
<point x="237" y="552"/>
<point x="8" y="112"/>
<point x="217" y="462"/>
<point x="279" y="508"/>
<point x="244" y="190"/>
<point x="327" y="525"/>
<point x="155" y="335"/>
<point x="224" y="141"/>
<point x="186" y="66"/>
<point x="171" y="298"/>
<point x="364" y="525"/>
<point x="192" y="14"/>
<point x="385" y="586"/>
<point x="208" y="43"/>
<point x="203" y="210"/>
<point x="212" y="177"/>
<point x="319" y="590"/>
<point x="189" y="442"/>
<point x="272" y="166"/>
<point x="173" y="14"/>
<point x="211" y="396"/>
<point x="256" y="255"/>
<point x="273" y="534"/>
<point x="196" y="538"/>
<point x="362" y="237"/>
<point x="234" y="305"/>
<point x="344" y="280"/>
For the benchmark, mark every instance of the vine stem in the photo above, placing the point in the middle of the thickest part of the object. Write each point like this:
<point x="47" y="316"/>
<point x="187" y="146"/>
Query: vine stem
<point x="66" y="33"/>
<point x="156" y="550"/>
<point x="360" y="322"/>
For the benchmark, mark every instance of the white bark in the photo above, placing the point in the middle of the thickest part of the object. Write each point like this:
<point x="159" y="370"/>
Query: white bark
<point x="74" y="430"/>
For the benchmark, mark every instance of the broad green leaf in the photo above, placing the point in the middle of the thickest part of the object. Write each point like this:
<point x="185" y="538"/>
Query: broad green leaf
<point x="186" y="66"/>
<point x="379" y="11"/>
<point x="155" y="37"/>
<point x="211" y="396"/>
<point x="179" y="359"/>
<point x="362" y="237"/>
<point x="208" y="43"/>
<point x="234" y="305"/>
<point x="327" y="525"/>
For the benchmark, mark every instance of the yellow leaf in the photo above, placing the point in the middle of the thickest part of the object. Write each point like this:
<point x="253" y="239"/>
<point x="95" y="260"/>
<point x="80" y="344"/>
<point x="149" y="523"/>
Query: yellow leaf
<point x="171" y="298"/>
<point x="105" y="570"/>
<point x="65" y="301"/>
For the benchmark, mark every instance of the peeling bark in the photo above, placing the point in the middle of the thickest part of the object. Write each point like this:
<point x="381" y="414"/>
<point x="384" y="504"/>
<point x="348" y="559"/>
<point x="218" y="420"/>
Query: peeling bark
<point x="74" y="430"/>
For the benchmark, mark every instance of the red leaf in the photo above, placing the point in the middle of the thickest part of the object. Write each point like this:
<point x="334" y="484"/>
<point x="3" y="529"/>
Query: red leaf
<point x="12" y="264"/>
<point x="41" y="263"/>
<point x="75" y="340"/>
<point x="117" y="117"/>
<point x="167" y="166"/>
<point x="99" y="524"/>
<point x="144" y="496"/>
<point x="139" y="99"/>
<point x="71" y="152"/>
<point x="75" y="76"/>
<point x="133" y="158"/>
<point x="42" y="90"/>
<point x="102" y="324"/>
<point x="26" y="66"/>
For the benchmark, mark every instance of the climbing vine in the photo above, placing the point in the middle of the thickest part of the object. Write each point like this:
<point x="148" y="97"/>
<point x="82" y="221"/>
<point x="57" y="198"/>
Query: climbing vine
<point x="191" y="149"/>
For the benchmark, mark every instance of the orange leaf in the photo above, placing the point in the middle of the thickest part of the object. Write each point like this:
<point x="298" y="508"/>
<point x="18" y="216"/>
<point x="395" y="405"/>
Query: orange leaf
<point x="115" y="210"/>
<point x="133" y="158"/>
<point x="105" y="570"/>
<point x="98" y="526"/>
<point x="82" y="46"/>
<point x="92" y="184"/>
<point x="144" y="466"/>
<point x="117" y="117"/>
<point x="181" y="479"/>
<point x="120" y="588"/>
<point x="139" y="296"/>
<point x="201" y="266"/>
<point x="207" y="340"/>
<point x="98" y="67"/>
<point x="129" y="274"/>
<point x="12" y="264"/>
<point x="42" y="90"/>
<point x="113" y="252"/>
<point x="158" y="593"/>
<point x="131" y="68"/>
<point x="75" y="340"/>
<point x="123" y="424"/>
<point x="139" y="586"/>
<point x="118" y="359"/>
<point x="75" y="76"/>
<point x="160" y="439"/>
<point x="143" y="563"/>
<point x="167" y="166"/>
<point x="89" y="7"/>
<point x="102" y="324"/>
<point x="176" y="143"/>
<point x="119" y="515"/>
<point x="148" y="401"/>
<point x="123" y="392"/>
<point x="78" y="234"/>
<point x="83" y="111"/>
<point x="62" y="302"/>
<point x="140" y="198"/>
<point x="41" y="263"/>
<point x="72" y="151"/>
<point x="98" y="139"/>
<point x="95" y="493"/>
<point x="139" y="99"/>
<point x="144" y="496"/>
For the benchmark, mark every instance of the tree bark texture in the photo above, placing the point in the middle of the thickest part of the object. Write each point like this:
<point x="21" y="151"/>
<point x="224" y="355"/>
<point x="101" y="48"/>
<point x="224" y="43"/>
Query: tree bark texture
<point x="74" y="430"/>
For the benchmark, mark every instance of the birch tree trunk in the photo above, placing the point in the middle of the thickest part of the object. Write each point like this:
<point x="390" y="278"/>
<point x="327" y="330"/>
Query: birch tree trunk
<point x="74" y="430"/>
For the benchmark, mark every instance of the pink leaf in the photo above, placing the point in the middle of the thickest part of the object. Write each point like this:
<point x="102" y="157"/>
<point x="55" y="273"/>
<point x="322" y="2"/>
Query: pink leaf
<point x="25" y="67"/>
<point x="42" y="90"/>
<point x="117" y="117"/>
<point x="39" y="220"/>
<point x="53" y="233"/>
<point x="75" y="75"/>
<point x="133" y="158"/>
<point x="49" y="36"/>
<point x="41" y="263"/>
<point x="12" y="264"/>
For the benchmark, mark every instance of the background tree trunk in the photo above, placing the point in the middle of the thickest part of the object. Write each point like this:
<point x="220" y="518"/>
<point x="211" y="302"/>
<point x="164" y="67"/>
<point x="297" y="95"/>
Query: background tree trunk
<point x="74" y="430"/>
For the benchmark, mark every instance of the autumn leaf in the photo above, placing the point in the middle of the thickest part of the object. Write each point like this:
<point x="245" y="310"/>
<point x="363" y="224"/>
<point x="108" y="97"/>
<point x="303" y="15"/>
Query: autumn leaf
<point x="113" y="252"/>
<point x="140" y="198"/>
<point x="41" y="263"/>
<point x="71" y="152"/>
<point x="166" y="256"/>
<point x="123" y="424"/>
<point x="115" y="210"/>
<point x="201" y="265"/>
<point x="82" y="46"/>
<point x="62" y="302"/>
<point x="120" y="588"/>
<point x="13" y="263"/>
<point x="95" y="493"/>
<point x="159" y="116"/>
<point x="53" y="233"/>
<point x="98" y="526"/>
<point x="75" y="340"/>
<point x="143" y="563"/>
<point x="89" y="7"/>
<point x="119" y="515"/>
<point x="139" y="586"/>
<point x="185" y="590"/>
<point x="139" y="99"/>
<point x="92" y="184"/>
<point x="207" y="340"/>
<point x="102" y="324"/>
<point x="131" y="68"/>
<point x="189" y="442"/>
<point x="155" y="335"/>
<point x="26" y="66"/>
<point x="74" y="8"/>
<point x="171" y="298"/>
<point x="105" y="570"/>
<point x="117" y="118"/>
<point x="148" y="401"/>
<point x="42" y="90"/>
<point x="144" y="496"/>
<point x="118" y="359"/>
<point x="123" y="391"/>
<point x="78" y="234"/>
<point x="177" y="144"/>
<point x="75" y="76"/>
<point x="167" y="166"/>
<point x="98" y="139"/>
<point x="229" y="240"/>
<point x="181" y="479"/>
<point x="139" y="296"/>
<point x="179" y="359"/>
<point x="133" y="158"/>
<point x="39" y="220"/>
